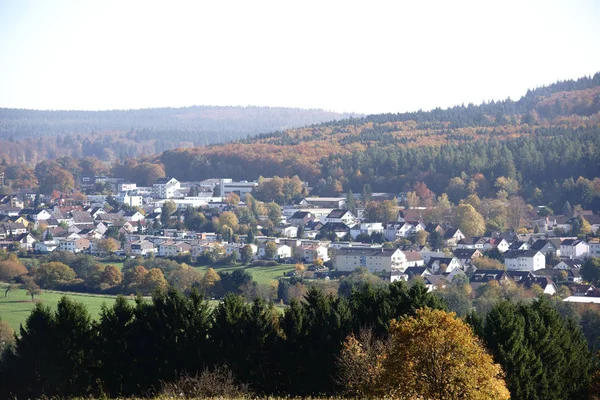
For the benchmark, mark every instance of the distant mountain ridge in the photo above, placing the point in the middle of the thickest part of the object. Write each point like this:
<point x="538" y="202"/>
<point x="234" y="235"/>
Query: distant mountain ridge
<point x="109" y="135"/>
<point x="249" y="120"/>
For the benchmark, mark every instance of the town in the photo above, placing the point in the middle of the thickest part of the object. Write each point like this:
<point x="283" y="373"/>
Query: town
<point x="220" y="221"/>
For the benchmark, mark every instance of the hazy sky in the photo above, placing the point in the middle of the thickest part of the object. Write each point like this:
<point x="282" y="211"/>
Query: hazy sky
<point x="366" y="56"/>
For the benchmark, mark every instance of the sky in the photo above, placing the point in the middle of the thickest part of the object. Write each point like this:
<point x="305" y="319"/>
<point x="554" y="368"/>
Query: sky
<point x="364" y="56"/>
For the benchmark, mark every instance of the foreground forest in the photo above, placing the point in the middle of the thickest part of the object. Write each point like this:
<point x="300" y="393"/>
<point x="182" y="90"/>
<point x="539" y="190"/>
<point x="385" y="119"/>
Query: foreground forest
<point x="394" y="341"/>
<point x="30" y="136"/>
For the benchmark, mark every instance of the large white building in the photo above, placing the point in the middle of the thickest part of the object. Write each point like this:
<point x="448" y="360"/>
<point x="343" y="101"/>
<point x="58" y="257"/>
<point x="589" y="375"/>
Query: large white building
<point x="165" y="188"/>
<point x="524" y="260"/>
<point x="240" y="188"/>
<point x="375" y="260"/>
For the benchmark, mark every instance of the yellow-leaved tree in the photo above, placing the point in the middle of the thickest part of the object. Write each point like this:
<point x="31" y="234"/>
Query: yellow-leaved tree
<point x="435" y="355"/>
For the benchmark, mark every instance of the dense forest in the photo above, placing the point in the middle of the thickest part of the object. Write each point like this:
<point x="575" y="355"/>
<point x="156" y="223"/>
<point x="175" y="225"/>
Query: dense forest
<point x="29" y="136"/>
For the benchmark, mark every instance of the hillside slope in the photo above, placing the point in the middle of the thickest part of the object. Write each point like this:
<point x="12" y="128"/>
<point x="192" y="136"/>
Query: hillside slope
<point x="551" y="133"/>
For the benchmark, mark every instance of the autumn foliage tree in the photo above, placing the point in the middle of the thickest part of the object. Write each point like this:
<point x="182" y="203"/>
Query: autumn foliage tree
<point x="434" y="355"/>
<point x="53" y="273"/>
<point x="11" y="268"/>
<point x="469" y="221"/>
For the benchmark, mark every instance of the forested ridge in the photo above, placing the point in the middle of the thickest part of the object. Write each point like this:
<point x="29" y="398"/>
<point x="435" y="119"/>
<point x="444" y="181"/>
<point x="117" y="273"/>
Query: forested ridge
<point x="549" y="135"/>
<point x="30" y="136"/>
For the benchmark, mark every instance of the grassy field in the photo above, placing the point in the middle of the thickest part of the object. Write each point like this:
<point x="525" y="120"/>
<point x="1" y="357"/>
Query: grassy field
<point x="118" y="264"/>
<point x="15" y="308"/>
<point x="262" y="275"/>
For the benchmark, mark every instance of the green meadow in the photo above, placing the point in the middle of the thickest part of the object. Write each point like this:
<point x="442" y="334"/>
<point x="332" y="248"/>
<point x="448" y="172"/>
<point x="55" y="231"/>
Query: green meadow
<point x="262" y="275"/>
<point x="16" y="307"/>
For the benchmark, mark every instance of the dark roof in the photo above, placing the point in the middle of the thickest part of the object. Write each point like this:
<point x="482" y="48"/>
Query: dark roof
<point x="162" y="181"/>
<point x="472" y="240"/>
<point x="516" y="245"/>
<point x="465" y="253"/>
<point x="519" y="276"/>
<point x="436" y="280"/>
<point x="542" y="281"/>
<point x="449" y="233"/>
<point x="430" y="227"/>
<point x="573" y="264"/>
<point x="439" y="260"/>
<point x="571" y="242"/>
<point x="23" y="236"/>
<point x="300" y="215"/>
<point x="361" y="251"/>
<point x="337" y="213"/>
<point x="520" y="253"/>
<point x="415" y="271"/>
<point x="488" y="275"/>
<point x="335" y="227"/>
<point x="540" y="244"/>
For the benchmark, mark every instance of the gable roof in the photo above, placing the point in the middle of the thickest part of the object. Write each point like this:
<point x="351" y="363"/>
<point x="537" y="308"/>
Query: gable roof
<point x="465" y="253"/>
<point x="417" y="271"/>
<point x="338" y="213"/>
<point x="541" y="243"/>
<point x="488" y="275"/>
<point x="572" y="242"/>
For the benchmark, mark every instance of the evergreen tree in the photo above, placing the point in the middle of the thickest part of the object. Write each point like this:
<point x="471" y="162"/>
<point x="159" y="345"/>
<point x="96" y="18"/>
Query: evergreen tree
<point x="351" y="202"/>
<point x="366" y="194"/>
<point x="567" y="209"/>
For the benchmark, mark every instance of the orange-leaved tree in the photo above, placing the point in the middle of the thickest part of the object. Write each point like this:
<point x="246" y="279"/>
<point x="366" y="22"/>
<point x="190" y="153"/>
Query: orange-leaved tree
<point x="435" y="355"/>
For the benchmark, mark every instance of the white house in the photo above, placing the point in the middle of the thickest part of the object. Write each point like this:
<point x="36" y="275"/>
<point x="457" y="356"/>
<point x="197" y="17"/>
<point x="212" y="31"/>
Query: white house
<point x="395" y="231"/>
<point x="47" y="246"/>
<point x="283" y="251"/>
<point x="134" y="216"/>
<point x="375" y="260"/>
<point x="142" y="248"/>
<point x="574" y="248"/>
<point x="73" y="245"/>
<point x="129" y="199"/>
<point x="452" y="236"/>
<point x="26" y="241"/>
<point x="366" y="228"/>
<point x="343" y="216"/>
<point x="435" y="264"/>
<point x="230" y="248"/>
<point x="524" y="260"/>
<point x="287" y="230"/>
<point x="472" y="243"/>
<point x="41" y="215"/>
<point x="314" y="251"/>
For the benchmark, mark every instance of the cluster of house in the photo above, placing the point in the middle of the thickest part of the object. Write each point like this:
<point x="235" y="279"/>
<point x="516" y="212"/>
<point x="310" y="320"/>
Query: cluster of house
<point x="82" y="228"/>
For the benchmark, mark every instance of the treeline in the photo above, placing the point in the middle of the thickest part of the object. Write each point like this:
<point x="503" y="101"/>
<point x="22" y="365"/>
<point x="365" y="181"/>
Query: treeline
<point x="546" y="159"/>
<point x="29" y="136"/>
<point x="132" y="350"/>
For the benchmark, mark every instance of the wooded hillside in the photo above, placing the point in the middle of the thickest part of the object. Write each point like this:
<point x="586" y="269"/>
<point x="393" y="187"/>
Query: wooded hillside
<point x="550" y="134"/>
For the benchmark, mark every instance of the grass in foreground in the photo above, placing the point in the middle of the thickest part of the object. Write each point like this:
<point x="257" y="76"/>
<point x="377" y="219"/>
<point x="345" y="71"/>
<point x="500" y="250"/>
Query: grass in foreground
<point x="15" y="308"/>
